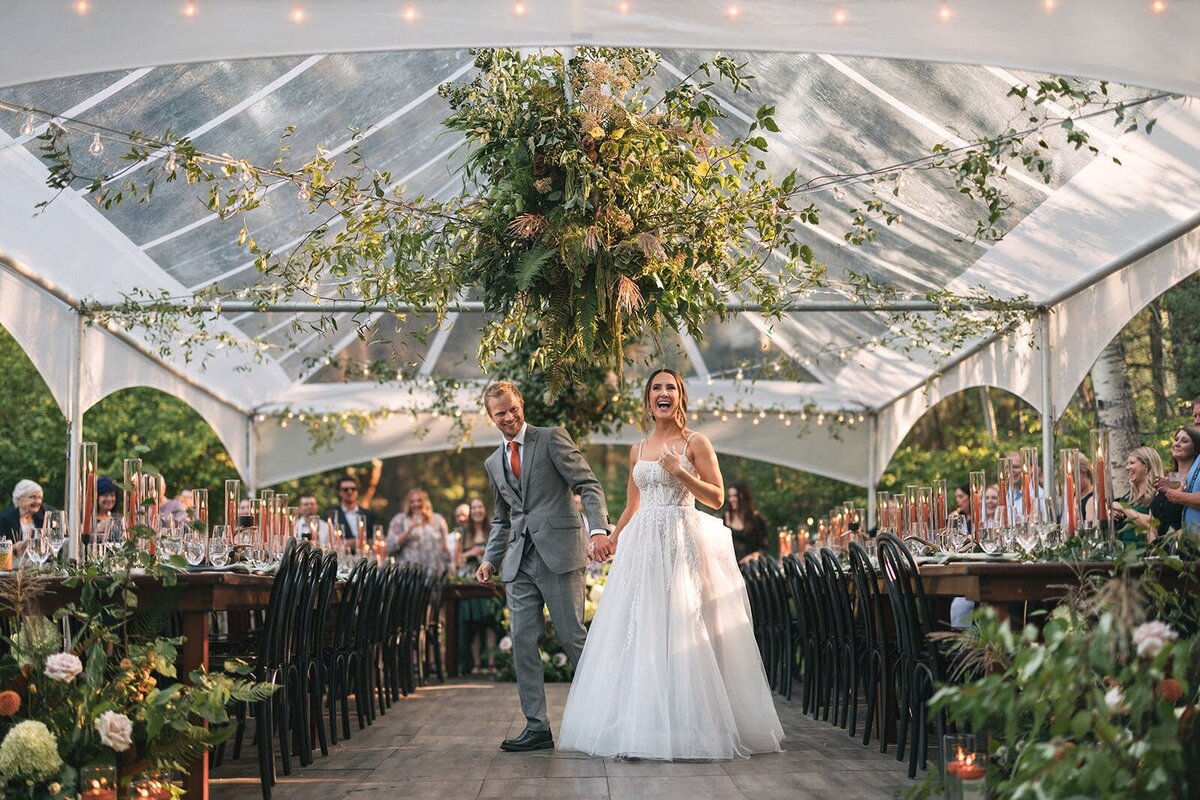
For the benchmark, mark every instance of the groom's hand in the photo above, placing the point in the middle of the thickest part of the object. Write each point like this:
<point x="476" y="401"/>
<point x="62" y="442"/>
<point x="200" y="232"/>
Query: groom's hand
<point x="485" y="572"/>
<point x="601" y="547"/>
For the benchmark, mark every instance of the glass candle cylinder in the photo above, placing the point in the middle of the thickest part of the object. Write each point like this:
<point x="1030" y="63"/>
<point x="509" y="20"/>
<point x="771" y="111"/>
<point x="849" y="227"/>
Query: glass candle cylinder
<point x="882" y="517"/>
<point x="941" y="505"/>
<point x="977" y="482"/>
<point x="1068" y="470"/>
<point x="233" y="494"/>
<point x="98" y="782"/>
<point x="88" y="456"/>
<point x="1029" y="483"/>
<point x="131" y="479"/>
<point x="1102" y="480"/>
<point x="1003" y="474"/>
<point x="200" y="509"/>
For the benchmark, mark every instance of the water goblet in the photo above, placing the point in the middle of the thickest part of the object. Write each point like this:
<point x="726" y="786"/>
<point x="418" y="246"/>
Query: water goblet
<point x="218" y="550"/>
<point x="37" y="548"/>
<point x="958" y="534"/>
<point x="193" y="548"/>
<point x="990" y="540"/>
<point x="1027" y="537"/>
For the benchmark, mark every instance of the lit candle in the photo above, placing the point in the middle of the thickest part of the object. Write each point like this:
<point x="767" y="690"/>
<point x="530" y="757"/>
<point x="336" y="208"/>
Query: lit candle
<point x="99" y="782"/>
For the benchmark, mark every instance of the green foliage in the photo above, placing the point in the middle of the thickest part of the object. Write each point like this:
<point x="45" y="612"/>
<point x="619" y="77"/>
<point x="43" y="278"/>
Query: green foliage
<point x="1081" y="706"/>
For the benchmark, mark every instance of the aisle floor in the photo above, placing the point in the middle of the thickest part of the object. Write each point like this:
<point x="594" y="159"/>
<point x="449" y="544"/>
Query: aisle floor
<point x="444" y="741"/>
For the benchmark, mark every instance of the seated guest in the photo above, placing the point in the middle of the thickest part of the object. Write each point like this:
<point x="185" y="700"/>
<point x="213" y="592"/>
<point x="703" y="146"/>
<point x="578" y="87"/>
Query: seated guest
<point x="26" y="513"/>
<point x="419" y="535"/>
<point x="108" y="521"/>
<point x="1087" y="492"/>
<point x="308" y="521"/>
<point x="962" y="500"/>
<point x="178" y="508"/>
<point x="991" y="502"/>
<point x="748" y="525"/>
<point x="355" y="521"/>
<point x="1143" y="467"/>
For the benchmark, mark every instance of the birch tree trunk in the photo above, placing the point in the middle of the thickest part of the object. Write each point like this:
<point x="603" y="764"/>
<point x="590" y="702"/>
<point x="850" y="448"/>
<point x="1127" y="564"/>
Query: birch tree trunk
<point x="1158" y="362"/>
<point x="989" y="414"/>
<point x="1115" y="410"/>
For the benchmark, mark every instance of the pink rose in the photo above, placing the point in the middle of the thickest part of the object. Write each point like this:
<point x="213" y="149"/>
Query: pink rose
<point x="63" y="667"/>
<point x="115" y="729"/>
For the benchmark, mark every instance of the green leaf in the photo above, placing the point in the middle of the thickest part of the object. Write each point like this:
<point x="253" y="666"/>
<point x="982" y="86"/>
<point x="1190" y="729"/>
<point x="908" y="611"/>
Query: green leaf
<point x="530" y="265"/>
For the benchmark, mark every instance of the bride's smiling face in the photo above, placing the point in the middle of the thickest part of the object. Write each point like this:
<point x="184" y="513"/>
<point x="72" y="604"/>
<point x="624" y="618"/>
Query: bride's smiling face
<point x="663" y="397"/>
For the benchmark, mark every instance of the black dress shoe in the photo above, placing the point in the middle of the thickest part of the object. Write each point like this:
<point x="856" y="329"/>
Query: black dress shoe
<point x="529" y="740"/>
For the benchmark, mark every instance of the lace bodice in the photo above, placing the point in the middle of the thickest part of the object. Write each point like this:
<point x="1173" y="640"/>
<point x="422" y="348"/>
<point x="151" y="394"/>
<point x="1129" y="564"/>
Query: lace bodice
<point x="659" y="487"/>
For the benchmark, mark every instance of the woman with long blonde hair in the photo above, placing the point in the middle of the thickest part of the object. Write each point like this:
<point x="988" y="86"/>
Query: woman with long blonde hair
<point x="670" y="669"/>
<point x="1143" y="465"/>
<point x="418" y="534"/>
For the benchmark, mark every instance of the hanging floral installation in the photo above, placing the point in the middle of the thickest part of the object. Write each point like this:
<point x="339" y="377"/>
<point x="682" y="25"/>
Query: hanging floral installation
<point x="595" y="212"/>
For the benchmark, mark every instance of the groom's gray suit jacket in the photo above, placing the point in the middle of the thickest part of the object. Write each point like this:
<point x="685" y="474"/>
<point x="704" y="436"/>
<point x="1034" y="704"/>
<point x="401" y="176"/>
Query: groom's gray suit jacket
<point x="543" y="505"/>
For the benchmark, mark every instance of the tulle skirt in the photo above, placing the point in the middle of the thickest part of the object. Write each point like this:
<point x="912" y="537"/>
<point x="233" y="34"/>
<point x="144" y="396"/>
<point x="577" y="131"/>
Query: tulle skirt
<point x="671" y="669"/>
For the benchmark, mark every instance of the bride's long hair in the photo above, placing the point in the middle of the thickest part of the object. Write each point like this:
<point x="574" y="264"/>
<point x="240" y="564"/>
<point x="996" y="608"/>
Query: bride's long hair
<point x="680" y="411"/>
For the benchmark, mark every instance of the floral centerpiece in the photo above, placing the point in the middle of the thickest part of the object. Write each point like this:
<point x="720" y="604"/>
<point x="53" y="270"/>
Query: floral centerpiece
<point x="107" y="692"/>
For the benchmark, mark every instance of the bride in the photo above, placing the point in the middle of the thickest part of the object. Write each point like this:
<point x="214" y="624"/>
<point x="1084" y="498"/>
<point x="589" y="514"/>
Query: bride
<point x="671" y="669"/>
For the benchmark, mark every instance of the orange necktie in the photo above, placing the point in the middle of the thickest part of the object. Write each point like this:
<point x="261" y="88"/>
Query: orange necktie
<point x="514" y="458"/>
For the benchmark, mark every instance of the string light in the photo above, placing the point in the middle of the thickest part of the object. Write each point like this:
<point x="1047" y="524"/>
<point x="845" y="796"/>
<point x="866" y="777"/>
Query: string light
<point x="945" y="13"/>
<point x="82" y="7"/>
<point x="298" y="14"/>
<point x="171" y="163"/>
<point x="839" y="193"/>
<point x="623" y="7"/>
<point x="410" y="13"/>
<point x="97" y="146"/>
<point x="305" y="194"/>
<point x="1049" y="5"/>
<point x="839" y="16"/>
<point x="28" y="127"/>
<point x="519" y="8"/>
<point x="733" y="11"/>
<point x="189" y="10"/>
<point x="1158" y="6"/>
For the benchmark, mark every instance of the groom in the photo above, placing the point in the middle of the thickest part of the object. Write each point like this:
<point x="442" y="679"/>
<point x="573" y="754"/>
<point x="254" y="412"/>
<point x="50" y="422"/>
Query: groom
<point x="539" y="546"/>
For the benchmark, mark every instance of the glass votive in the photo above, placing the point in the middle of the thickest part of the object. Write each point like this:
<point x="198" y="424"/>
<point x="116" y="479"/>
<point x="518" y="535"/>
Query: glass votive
<point x="959" y="752"/>
<point x="98" y="782"/>
<point x="150" y="786"/>
<point x="972" y="777"/>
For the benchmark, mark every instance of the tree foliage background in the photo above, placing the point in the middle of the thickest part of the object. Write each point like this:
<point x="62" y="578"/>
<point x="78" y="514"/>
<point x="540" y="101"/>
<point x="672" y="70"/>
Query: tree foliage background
<point x="1162" y="347"/>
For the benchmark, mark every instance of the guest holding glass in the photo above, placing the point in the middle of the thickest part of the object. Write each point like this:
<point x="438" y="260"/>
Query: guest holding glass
<point x="309" y="524"/>
<point x="748" y="525"/>
<point x="1181" y="490"/>
<point x="419" y="535"/>
<point x="1144" y="467"/>
<point x="354" y="521"/>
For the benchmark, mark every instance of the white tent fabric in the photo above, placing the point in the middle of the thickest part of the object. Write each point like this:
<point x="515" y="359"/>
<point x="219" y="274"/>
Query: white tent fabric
<point x="858" y="84"/>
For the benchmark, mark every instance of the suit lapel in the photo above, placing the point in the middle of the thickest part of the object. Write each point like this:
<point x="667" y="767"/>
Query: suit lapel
<point x="527" y="458"/>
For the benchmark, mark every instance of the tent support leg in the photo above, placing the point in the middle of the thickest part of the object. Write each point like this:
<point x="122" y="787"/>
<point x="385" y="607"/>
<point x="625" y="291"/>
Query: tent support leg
<point x="872" y="480"/>
<point x="251" y="458"/>
<point x="74" y="440"/>
<point x="1048" y="416"/>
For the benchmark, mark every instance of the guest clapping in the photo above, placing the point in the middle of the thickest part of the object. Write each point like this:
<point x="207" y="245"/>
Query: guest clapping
<point x="419" y="535"/>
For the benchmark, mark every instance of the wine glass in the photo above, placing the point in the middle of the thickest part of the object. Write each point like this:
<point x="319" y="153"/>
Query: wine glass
<point x="37" y="548"/>
<point x="990" y="540"/>
<point x="56" y="537"/>
<point x="193" y="548"/>
<point x="1027" y="537"/>
<point x="218" y="548"/>
<point x="958" y="534"/>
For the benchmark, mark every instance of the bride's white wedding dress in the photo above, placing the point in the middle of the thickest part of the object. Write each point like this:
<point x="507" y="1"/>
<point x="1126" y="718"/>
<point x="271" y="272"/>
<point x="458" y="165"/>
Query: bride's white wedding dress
<point x="671" y="669"/>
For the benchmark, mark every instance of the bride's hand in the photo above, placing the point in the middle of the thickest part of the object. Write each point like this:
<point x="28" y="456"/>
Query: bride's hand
<point x="671" y="460"/>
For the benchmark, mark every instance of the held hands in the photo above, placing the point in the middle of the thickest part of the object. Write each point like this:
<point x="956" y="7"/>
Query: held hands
<point x="485" y="572"/>
<point x="600" y="548"/>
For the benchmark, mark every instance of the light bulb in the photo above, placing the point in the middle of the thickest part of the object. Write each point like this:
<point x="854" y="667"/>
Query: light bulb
<point x="28" y="127"/>
<point x="298" y="14"/>
<point x="1049" y="5"/>
<point x="304" y="194"/>
<point x="189" y="10"/>
<point x="82" y="7"/>
<point x="410" y="13"/>
<point x="97" y="146"/>
<point x="1158" y="6"/>
<point x="839" y="193"/>
<point x="519" y="8"/>
<point x="839" y="16"/>
<point x="171" y="166"/>
<point x="733" y="11"/>
<point x="945" y="13"/>
<point x="755" y="421"/>
<point x="623" y="7"/>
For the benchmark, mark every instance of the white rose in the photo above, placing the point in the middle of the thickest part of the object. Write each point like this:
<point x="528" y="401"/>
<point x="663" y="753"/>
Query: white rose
<point x="560" y="660"/>
<point x="1151" y="637"/>
<point x="116" y="730"/>
<point x="596" y="593"/>
<point x="545" y="657"/>
<point x="1114" y="698"/>
<point x="63" y="667"/>
<point x="505" y="644"/>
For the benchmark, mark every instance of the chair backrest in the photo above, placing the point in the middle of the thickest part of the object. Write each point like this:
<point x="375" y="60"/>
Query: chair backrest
<point x="801" y="614"/>
<point x="866" y="591"/>
<point x="774" y="584"/>
<point x="271" y="640"/>
<point x="368" y="605"/>
<point x="837" y="593"/>
<point x="348" y="607"/>
<point x="326" y="580"/>
<point x="814" y="584"/>
<point x="898" y="570"/>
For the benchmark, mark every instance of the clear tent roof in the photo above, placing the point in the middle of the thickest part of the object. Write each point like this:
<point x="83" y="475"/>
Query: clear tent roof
<point x="838" y="114"/>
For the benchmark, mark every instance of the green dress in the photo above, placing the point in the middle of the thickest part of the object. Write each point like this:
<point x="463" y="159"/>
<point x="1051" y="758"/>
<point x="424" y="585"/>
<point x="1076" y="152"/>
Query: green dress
<point x="1129" y="533"/>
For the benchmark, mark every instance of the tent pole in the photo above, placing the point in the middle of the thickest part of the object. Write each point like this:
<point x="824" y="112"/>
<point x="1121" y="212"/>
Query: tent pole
<point x="1047" y="406"/>
<point x="74" y="440"/>
<point x="251" y="458"/>
<point x="872" y="449"/>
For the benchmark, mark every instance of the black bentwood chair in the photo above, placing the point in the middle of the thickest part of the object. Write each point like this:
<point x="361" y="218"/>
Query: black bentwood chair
<point x="873" y="660"/>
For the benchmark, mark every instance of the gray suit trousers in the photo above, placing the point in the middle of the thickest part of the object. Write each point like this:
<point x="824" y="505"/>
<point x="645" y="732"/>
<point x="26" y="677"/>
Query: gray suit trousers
<point x="534" y="587"/>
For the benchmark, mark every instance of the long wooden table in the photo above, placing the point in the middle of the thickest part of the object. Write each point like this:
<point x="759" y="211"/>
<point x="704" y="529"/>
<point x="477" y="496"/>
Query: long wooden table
<point x="1013" y="582"/>
<point x="203" y="593"/>
<point x="455" y="593"/>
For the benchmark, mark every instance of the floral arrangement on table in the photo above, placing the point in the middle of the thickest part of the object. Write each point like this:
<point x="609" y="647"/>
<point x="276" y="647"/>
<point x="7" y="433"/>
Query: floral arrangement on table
<point x="556" y="667"/>
<point x="107" y="693"/>
<point x="1099" y="700"/>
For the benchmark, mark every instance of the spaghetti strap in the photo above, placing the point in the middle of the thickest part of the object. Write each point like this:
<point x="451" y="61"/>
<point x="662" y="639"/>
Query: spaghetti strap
<point x="641" y="444"/>
<point x="687" y="442"/>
